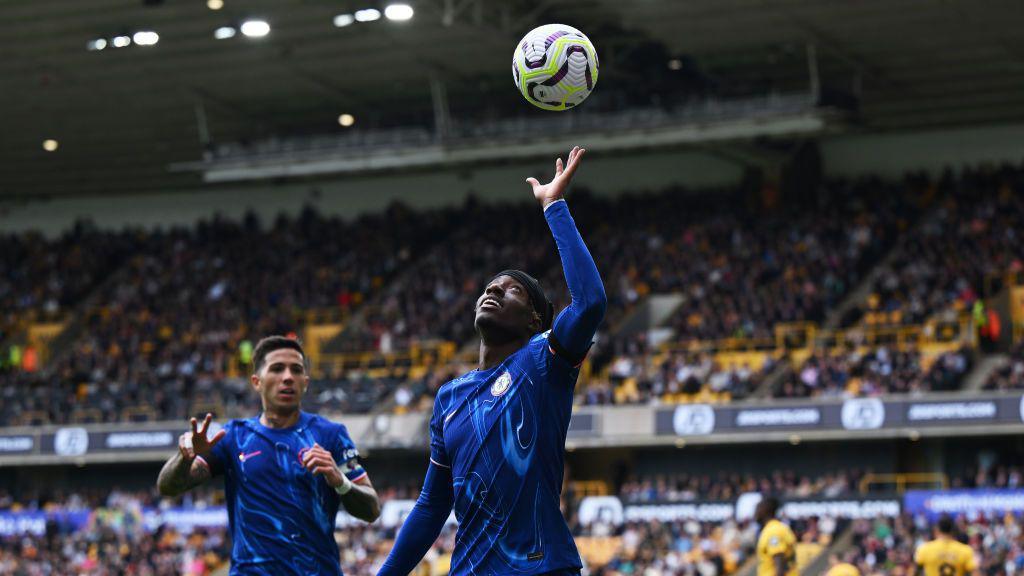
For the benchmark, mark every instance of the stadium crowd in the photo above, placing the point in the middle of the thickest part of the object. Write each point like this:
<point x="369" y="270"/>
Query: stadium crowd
<point x="885" y="546"/>
<point x="944" y="263"/>
<point x="642" y="376"/>
<point x="174" y="321"/>
<point x="117" y="539"/>
<point x="883" y="370"/>
<point x="171" y="312"/>
<point x="740" y="278"/>
<point x="114" y="540"/>
<point x="723" y="487"/>
<point x="1011" y="375"/>
<point x="42" y="279"/>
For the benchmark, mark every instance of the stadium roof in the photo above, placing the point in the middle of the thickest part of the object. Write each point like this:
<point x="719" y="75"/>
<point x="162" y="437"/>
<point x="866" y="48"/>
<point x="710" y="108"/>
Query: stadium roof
<point x="121" y="116"/>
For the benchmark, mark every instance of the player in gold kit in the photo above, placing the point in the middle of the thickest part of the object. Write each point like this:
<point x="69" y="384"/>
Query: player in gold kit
<point x="776" y="546"/>
<point x="944" y="556"/>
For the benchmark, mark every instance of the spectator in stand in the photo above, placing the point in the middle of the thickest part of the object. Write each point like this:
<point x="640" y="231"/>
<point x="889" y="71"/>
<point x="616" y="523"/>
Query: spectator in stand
<point x="1011" y="375"/>
<point x="163" y="340"/>
<point x="943" y="264"/>
<point x="885" y="546"/>
<point x="879" y="371"/>
<point x="725" y="487"/>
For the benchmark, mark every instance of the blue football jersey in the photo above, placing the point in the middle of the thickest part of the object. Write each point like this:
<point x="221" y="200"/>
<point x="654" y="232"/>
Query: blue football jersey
<point x="281" y="516"/>
<point x="502" y="432"/>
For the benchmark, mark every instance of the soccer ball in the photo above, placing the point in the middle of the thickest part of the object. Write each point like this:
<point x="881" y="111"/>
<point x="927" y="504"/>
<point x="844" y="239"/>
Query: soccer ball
<point x="555" y="67"/>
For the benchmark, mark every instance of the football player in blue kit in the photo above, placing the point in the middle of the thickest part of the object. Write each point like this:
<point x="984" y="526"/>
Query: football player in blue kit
<point x="286" y="472"/>
<point x="497" y="434"/>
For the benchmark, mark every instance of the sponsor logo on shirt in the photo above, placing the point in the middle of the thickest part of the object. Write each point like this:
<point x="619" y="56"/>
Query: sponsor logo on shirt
<point x="502" y="384"/>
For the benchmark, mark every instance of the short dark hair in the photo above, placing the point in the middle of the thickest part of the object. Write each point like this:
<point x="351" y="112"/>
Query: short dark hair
<point x="271" y="343"/>
<point x="771" y="505"/>
<point x="945" y="524"/>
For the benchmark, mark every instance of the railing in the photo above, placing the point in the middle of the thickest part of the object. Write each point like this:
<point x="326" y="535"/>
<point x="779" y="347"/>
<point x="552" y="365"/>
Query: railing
<point x="901" y="481"/>
<point x="584" y="488"/>
<point x="994" y="283"/>
<point x="423" y="354"/>
<point x="41" y="335"/>
<point x="469" y="132"/>
<point x="901" y="337"/>
<point x="806" y="335"/>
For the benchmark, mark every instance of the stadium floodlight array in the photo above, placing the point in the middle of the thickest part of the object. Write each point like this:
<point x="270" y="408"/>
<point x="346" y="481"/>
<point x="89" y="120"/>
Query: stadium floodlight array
<point x="398" y="12"/>
<point x="252" y="28"/>
<point x="145" y="38"/>
<point x="255" y="28"/>
<point x="140" y="38"/>
<point x="367" y="15"/>
<point x="393" y="12"/>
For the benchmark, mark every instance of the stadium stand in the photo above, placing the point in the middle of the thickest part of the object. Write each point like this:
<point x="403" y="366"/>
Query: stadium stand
<point x="874" y="372"/>
<point x="174" y="336"/>
<point x="103" y="533"/>
<point x="724" y="486"/>
<point x="944" y="264"/>
<point x="1010" y="376"/>
<point x="44" y="278"/>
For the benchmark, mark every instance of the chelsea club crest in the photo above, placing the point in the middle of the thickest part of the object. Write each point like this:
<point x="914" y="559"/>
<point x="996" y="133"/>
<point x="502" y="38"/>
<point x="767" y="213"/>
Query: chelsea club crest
<point x="501" y="385"/>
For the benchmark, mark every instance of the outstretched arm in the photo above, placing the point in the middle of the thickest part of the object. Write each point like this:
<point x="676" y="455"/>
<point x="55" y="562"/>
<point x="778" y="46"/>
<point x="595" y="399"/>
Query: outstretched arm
<point x="423" y="524"/>
<point x="188" y="467"/>
<point x="575" y="327"/>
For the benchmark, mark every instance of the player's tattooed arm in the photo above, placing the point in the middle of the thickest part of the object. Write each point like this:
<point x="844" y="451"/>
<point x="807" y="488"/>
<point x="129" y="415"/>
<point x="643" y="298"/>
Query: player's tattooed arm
<point x="184" y="471"/>
<point x="358" y="497"/>
<point x="362" y="501"/>
<point x="179" y="475"/>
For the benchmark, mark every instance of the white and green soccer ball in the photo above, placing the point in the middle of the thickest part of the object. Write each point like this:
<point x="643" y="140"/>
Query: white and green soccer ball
<point x="555" y="67"/>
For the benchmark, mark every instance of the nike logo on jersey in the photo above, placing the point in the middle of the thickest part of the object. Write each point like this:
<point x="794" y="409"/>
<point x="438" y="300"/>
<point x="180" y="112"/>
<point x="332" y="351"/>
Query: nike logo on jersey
<point x="242" y="457"/>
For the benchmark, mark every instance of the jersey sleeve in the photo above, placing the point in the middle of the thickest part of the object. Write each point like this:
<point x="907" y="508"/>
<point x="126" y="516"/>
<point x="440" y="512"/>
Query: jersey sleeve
<point x="220" y="454"/>
<point x="921" y="555"/>
<point x="438" y="453"/>
<point x="970" y="560"/>
<point x="573" y="331"/>
<point x="346" y="456"/>
<point x="777" y="541"/>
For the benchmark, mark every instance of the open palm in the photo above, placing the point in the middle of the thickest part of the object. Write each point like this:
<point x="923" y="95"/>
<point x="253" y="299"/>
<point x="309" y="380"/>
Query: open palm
<point x="555" y="190"/>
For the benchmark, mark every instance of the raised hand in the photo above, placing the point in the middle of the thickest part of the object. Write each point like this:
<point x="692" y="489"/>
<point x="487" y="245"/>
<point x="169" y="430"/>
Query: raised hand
<point x="555" y="190"/>
<point x="195" y="443"/>
<point x="319" y="461"/>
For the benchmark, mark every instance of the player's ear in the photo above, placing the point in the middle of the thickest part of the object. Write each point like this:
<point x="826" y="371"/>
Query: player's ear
<point x="254" y="380"/>
<point x="535" y="323"/>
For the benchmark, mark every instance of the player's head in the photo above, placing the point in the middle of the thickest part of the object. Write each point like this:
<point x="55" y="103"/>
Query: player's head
<point x="279" y="373"/>
<point x="766" y="509"/>
<point x="512" y="306"/>
<point x="944" y="526"/>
